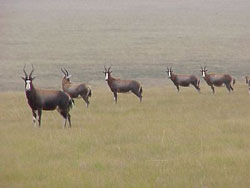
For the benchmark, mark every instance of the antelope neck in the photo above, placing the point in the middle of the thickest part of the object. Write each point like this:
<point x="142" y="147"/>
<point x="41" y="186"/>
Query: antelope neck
<point x="173" y="77"/>
<point x="30" y="94"/>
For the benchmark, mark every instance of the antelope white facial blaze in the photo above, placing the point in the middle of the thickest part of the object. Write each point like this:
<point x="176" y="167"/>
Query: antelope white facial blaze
<point x="106" y="76"/>
<point x="27" y="85"/>
<point x="203" y="74"/>
<point x="169" y="74"/>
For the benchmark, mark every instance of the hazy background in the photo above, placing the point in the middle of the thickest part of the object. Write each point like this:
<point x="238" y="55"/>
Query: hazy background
<point x="138" y="38"/>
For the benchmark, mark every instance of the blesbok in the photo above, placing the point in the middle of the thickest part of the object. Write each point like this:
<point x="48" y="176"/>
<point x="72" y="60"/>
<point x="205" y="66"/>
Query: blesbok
<point x="218" y="80"/>
<point x="122" y="86"/>
<point x="248" y="82"/>
<point x="183" y="80"/>
<point x="75" y="90"/>
<point x="44" y="99"/>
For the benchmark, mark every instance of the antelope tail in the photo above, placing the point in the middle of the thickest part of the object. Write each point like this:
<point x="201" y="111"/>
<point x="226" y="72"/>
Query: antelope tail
<point x="140" y="90"/>
<point x="89" y="92"/>
<point x="198" y="83"/>
<point x="233" y="81"/>
<point x="71" y="103"/>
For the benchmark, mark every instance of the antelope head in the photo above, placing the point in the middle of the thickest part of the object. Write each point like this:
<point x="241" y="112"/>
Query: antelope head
<point x="107" y="72"/>
<point x="66" y="77"/>
<point x="28" y="78"/>
<point x="169" y="72"/>
<point x="203" y="71"/>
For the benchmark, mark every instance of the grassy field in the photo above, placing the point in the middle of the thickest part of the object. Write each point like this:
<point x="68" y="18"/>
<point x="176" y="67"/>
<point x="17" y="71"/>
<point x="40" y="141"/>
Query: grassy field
<point x="168" y="140"/>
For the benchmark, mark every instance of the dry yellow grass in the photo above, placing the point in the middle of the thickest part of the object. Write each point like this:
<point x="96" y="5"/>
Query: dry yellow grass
<point x="168" y="140"/>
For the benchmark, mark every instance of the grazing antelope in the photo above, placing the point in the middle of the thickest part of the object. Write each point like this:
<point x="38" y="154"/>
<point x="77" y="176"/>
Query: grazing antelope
<point x="43" y="99"/>
<point x="218" y="80"/>
<point x="75" y="90"/>
<point x="248" y="82"/>
<point x="122" y="86"/>
<point x="183" y="80"/>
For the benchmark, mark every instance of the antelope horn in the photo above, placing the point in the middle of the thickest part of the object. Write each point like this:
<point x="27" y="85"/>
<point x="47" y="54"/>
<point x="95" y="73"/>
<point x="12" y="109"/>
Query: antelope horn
<point x="31" y="71"/>
<point x="66" y="71"/>
<point x="63" y="72"/>
<point x="26" y="75"/>
<point x="105" y="68"/>
<point x="109" y="68"/>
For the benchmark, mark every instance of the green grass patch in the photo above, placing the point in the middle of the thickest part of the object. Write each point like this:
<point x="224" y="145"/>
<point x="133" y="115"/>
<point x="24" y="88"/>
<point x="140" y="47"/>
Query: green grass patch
<point x="168" y="140"/>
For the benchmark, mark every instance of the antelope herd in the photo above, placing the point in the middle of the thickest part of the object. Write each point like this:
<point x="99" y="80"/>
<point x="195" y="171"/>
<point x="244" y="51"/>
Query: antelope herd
<point x="62" y="100"/>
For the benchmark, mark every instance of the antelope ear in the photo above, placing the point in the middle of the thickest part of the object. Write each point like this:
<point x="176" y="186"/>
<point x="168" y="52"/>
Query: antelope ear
<point x="110" y="72"/>
<point x="69" y="76"/>
<point x="22" y="78"/>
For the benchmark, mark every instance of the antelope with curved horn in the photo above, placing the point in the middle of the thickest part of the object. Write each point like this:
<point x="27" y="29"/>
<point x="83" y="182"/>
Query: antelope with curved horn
<point x="122" y="86"/>
<point x="218" y="80"/>
<point x="183" y="80"/>
<point x="75" y="90"/>
<point x="43" y="99"/>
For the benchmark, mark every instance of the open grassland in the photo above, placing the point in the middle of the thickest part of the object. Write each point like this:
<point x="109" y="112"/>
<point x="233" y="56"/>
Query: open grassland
<point x="168" y="140"/>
